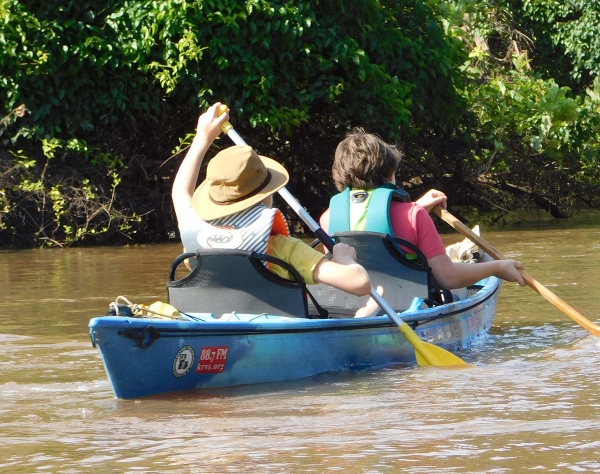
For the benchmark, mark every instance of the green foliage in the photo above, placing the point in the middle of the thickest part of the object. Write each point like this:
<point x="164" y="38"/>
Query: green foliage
<point x="123" y="80"/>
<point x="584" y="136"/>
<point x="69" y="209"/>
<point x="529" y="131"/>
<point x="569" y="29"/>
<point x="73" y="71"/>
<point x="90" y="64"/>
<point x="99" y="96"/>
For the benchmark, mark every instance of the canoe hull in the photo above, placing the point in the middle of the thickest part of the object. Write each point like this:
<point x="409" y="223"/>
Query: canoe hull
<point x="146" y="356"/>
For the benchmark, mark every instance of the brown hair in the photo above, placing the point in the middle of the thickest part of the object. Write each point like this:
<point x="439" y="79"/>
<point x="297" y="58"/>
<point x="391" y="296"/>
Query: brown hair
<point x="363" y="161"/>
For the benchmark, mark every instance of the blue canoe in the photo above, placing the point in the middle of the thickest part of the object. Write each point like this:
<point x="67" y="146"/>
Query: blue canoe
<point x="223" y="346"/>
<point x="145" y="356"/>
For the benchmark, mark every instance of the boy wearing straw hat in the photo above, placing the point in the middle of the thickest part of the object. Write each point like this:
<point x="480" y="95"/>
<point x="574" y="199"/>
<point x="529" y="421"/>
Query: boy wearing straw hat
<point x="232" y="208"/>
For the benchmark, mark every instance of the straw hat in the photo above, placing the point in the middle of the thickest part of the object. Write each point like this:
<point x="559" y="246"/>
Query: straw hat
<point x="236" y="179"/>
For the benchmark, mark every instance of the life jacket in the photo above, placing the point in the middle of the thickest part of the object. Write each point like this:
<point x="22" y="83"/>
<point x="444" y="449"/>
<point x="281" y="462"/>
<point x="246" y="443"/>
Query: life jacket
<point x="369" y="210"/>
<point x="245" y="230"/>
<point x="359" y="209"/>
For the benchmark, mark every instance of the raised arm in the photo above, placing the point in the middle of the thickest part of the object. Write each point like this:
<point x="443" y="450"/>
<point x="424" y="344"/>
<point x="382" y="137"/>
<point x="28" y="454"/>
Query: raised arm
<point x="209" y="127"/>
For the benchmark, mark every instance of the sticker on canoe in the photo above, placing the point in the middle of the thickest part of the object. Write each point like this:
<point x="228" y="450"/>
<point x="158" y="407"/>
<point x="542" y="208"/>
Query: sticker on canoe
<point x="183" y="361"/>
<point x="212" y="359"/>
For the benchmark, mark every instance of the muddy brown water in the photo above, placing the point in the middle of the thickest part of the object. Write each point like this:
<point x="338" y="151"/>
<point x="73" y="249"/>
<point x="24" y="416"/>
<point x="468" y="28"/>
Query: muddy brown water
<point x="531" y="404"/>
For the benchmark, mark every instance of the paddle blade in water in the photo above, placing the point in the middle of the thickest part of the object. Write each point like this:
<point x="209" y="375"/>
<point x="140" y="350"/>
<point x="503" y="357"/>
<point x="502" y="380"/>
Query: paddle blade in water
<point x="428" y="354"/>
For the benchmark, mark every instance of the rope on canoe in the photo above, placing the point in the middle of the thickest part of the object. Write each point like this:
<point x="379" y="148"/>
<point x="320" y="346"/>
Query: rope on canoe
<point x="158" y="310"/>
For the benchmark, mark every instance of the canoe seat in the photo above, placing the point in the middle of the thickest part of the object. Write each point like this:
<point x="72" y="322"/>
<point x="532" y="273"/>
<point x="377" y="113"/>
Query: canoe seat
<point x="224" y="281"/>
<point x="385" y="259"/>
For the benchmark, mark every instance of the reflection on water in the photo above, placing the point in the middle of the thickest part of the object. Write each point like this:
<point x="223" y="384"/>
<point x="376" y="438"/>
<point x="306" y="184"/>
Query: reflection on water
<point x="531" y="404"/>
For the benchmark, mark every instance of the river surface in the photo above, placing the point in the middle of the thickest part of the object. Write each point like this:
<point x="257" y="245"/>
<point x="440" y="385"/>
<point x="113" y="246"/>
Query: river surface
<point x="531" y="404"/>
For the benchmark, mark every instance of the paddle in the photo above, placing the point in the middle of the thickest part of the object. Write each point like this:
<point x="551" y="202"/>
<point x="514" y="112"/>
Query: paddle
<point x="532" y="282"/>
<point x="426" y="354"/>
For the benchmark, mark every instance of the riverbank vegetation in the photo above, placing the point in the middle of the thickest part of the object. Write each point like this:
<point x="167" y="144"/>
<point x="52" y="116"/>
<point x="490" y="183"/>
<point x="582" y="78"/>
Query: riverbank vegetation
<point x="495" y="102"/>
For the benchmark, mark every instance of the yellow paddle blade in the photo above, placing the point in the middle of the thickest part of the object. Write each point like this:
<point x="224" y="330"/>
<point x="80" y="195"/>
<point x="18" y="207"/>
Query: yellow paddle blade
<point x="428" y="354"/>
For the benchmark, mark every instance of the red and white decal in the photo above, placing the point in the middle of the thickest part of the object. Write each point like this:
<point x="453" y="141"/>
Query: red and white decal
<point x="212" y="359"/>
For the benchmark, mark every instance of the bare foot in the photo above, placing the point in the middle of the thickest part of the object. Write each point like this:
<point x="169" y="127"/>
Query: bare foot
<point x="371" y="308"/>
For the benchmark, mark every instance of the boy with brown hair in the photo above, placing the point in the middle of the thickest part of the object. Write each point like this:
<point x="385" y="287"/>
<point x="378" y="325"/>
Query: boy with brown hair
<point x="364" y="171"/>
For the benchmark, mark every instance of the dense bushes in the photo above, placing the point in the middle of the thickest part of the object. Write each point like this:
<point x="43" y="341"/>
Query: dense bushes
<point x="534" y="141"/>
<point x="113" y="88"/>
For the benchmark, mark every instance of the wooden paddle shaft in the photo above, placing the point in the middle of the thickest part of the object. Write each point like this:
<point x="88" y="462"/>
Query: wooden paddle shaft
<point x="532" y="282"/>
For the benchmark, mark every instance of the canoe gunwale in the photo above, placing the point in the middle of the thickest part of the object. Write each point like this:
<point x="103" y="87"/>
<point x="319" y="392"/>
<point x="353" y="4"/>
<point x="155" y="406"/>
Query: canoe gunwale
<point x="165" y="328"/>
